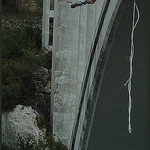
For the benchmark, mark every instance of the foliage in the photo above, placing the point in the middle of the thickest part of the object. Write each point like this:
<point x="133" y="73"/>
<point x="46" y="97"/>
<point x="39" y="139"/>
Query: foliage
<point x="5" y="147"/>
<point x="29" y="143"/>
<point x="41" y="121"/>
<point x="39" y="4"/>
<point x="21" y="54"/>
<point x="18" y="8"/>
<point x="46" y="59"/>
<point x="53" y="144"/>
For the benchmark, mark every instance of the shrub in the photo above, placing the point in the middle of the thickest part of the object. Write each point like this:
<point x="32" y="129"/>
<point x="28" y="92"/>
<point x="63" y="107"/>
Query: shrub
<point x="30" y="144"/>
<point x="21" y="54"/>
<point x="41" y="121"/>
<point x="22" y="8"/>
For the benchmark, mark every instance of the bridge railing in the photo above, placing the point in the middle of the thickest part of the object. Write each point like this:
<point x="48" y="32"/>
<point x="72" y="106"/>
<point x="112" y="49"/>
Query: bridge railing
<point x="93" y="75"/>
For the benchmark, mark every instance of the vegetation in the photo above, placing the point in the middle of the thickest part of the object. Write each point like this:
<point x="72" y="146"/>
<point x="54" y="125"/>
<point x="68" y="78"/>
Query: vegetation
<point x="21" y="54"/>
<point x="15" y="8"/>
<point x="41" y="121"/>
<point x="30" y="144"/>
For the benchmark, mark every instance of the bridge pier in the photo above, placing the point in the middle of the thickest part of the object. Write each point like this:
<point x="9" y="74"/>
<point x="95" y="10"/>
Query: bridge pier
<point x="75" y="32"/>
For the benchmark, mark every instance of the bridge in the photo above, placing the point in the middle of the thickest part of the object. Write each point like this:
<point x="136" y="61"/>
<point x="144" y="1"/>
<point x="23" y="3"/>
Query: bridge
<point x="82" y="41"/>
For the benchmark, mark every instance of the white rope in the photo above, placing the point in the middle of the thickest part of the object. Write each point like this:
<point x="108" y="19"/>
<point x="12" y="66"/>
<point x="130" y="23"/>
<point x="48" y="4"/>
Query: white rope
<point x="128" y="82"/>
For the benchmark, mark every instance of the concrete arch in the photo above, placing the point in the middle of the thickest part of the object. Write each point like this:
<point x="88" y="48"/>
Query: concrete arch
<point x="81" y="38"/>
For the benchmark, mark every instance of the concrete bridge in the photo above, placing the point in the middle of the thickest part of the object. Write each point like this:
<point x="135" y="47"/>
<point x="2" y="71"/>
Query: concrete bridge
<point x="81" y="44"/>
<point x="80" y="48"/>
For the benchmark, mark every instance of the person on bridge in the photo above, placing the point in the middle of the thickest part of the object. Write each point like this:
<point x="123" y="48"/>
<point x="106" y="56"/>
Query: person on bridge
<point x="76" y="4"/>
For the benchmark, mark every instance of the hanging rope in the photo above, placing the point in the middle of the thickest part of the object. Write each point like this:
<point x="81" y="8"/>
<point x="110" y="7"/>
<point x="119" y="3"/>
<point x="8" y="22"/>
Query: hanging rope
<point x="128" y="82"/>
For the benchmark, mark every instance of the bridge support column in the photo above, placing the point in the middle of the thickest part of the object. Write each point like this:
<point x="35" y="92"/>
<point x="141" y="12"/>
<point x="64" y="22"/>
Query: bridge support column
<point x="64" y="69"/>
<point x="73" y="34"/>
<point x="75" y="59"/>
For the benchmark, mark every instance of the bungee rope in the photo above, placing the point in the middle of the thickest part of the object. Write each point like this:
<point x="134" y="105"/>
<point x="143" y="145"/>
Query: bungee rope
<point x="128" y="82"/>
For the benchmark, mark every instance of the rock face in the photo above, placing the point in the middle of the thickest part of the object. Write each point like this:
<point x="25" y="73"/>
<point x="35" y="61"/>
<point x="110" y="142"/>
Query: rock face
<point x="21" y="121"/>
<point x="30" y="121"/>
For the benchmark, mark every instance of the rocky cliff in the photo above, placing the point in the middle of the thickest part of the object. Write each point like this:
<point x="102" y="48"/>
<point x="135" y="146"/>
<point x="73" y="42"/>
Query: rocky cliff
<point x="30" y="121"/>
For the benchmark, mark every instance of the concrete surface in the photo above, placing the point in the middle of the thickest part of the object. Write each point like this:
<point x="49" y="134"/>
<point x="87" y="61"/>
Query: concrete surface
<point x="74" y="31"/>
